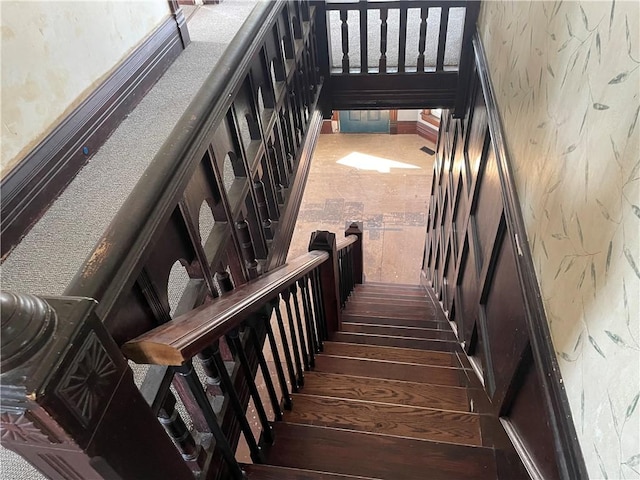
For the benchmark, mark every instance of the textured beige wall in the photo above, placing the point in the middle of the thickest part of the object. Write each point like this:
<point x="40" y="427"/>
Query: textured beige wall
<point x="54" y="54"/>
<point x="567" y="84"/>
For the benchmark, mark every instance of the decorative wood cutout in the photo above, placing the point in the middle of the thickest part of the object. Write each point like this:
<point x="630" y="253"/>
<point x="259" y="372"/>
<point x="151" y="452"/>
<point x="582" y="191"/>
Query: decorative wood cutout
<point x="85" y="386"/>
<point x="20" y="428"/>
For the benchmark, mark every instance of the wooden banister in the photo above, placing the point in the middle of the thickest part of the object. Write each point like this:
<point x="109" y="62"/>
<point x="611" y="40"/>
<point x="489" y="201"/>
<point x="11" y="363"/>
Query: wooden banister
<point x="182" y="338"/>
<point x="345" y="242"/>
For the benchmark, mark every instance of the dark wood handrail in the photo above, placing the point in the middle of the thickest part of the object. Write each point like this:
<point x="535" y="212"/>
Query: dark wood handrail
<point x="182" y="338"/>
<point x="109" y="269"/>
<point x="345" y="242"/>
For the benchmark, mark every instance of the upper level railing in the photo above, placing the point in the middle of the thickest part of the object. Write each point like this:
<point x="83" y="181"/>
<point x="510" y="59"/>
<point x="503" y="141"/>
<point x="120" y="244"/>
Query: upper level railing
<point x="399" y="54"/>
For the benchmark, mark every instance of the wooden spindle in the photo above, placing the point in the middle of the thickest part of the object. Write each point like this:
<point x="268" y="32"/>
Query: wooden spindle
<point x="402" y="39"/>
<point x="246" y="246"/>
<point x="175" y="427"/>
<point x="356" y="229"/>
<point x="382" y="67"/>
<point x="263" y="210"/>
<point x="424" y="13"/>
<point x="345" y="40"/>
<point x="362" y="7"/>
<point x="286" y="296"/>
<point x="442" y="38"/>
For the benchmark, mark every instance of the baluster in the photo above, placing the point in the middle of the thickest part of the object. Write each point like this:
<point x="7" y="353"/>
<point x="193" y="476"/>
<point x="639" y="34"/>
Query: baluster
<point x="211" y="372"/>
<point x="227" y="384"/>
<point x="175" y="427"/>
<point x="234" y="338"/>
<point x="264" y="368"/>
<point x="424" y="13"/>
<point x="305" y="355"/>
<point x="263" y="210"/>
<point x="349" y="271"/>
<point x="286" y="296"/>
<point x="402" y="40"/>
<point x="285" y="345"/>
<point x="364" y="65"/>
<point x="442" y="38"/>
<point x="317" y="298"/>
<point x="356" y="228"/>
<point x="384" y="13"/>
<point x="224" y="281"/>
<point x="186" y="370"/>
<point x="280" y="193"/>
<point x="246" y="246"/>
<point x="278" y="364"/>
<point x="308" y="320"/>
<point x="314" y="315"/>
<point x="345" y="41"/>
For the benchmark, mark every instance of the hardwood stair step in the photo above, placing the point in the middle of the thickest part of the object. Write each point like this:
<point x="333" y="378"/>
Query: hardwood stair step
<point x="384" y="290"/>
<point x="411" y="286"/>
<point x="403" y="322"/>
<point x="270" y="472"/>
<point x="379" y="456"/>
<point x="461" y="428"/>
<point x="392" y="354"/>
<point x="386" y="391"/>
<point x="398" y="331"/>
<point x="393" y="299"/>
<point x="403" y="342"/>
<point x="354" y="306"/>
<point x="407" y="372"/>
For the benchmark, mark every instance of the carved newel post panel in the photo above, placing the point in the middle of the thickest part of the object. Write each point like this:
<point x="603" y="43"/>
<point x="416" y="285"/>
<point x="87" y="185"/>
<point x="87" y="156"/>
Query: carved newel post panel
<point x="329" y="280"/>
<point x="69" y="405"/>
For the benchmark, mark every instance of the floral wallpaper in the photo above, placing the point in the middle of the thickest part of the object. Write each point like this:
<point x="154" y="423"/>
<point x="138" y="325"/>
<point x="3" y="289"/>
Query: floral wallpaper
<point x="566" y="76"/>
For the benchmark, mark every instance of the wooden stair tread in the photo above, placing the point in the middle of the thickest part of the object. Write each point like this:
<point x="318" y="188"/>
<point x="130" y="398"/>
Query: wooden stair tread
<point x="379" y="456"/>
<point x="385" y="320"/>
<point x="381" y="289"/>
<point x="389" y="341"/>
<point x="398" y="331"/>
<point x="393" y="299"/>
<point x="425" y="312"/>
<point x="271" y="472"/>
<point x="461" y="428"/>
<point x="386" y="391"/>
<point x="413" y="286"/>
<point x="390" y="370"/>
<point x="392" y="354"/>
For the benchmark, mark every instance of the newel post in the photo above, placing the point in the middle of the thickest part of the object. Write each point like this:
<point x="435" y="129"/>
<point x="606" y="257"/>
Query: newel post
<point x="329" y="278"/>
<point x="69" y="405"/>
<point x="358" y="259"/>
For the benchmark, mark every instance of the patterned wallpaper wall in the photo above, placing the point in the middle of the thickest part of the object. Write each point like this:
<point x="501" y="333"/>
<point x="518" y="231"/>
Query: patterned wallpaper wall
<point x="566" y="76"/>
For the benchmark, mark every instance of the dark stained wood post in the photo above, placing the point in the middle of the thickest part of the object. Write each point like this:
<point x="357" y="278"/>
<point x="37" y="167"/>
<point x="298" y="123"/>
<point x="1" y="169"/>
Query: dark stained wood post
<point x="358" y="259"/>
<point x="329" y="283"/>
<point x="69" y="403"/>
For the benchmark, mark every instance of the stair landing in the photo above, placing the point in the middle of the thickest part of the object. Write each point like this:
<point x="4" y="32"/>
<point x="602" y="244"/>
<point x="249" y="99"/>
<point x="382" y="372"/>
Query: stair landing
<point x="388" y="399"/>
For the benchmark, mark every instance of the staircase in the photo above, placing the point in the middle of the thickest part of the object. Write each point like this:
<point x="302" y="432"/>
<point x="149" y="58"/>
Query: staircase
<point x="388" y="399"/>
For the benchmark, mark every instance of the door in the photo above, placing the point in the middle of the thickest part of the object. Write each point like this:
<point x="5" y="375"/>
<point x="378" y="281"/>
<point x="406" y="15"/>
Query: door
<point x="364" y="121"/>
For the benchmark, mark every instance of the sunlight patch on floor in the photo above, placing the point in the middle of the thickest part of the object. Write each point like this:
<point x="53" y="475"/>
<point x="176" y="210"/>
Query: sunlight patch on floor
<point x="362" y="161"/>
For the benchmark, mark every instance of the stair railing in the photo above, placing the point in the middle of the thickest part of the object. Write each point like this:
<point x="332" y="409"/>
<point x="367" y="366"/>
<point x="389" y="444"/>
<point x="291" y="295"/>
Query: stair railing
<point x="61" y="370"/>
<point x="413" y="69"/>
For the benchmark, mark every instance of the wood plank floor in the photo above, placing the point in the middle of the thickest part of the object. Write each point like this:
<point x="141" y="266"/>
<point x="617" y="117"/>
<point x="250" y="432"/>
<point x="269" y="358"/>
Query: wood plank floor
<point x="388" y="399"/>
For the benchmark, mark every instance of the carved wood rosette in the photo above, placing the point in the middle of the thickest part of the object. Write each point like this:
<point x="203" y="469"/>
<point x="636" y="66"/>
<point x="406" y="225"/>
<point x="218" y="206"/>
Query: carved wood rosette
<point x="68" y="402"/>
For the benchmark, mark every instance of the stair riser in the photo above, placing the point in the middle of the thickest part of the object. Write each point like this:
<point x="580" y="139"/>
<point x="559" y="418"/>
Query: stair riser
<point x="399" y="331"/>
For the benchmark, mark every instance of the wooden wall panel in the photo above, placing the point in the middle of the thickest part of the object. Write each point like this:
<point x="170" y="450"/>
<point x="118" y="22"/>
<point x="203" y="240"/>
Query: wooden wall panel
<point x="473" y="262"/>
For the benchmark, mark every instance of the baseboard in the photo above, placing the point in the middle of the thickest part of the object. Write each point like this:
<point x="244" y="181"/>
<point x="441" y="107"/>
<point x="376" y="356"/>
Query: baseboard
<point x="32" y="186"/>
<point x="427" y="131"/>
